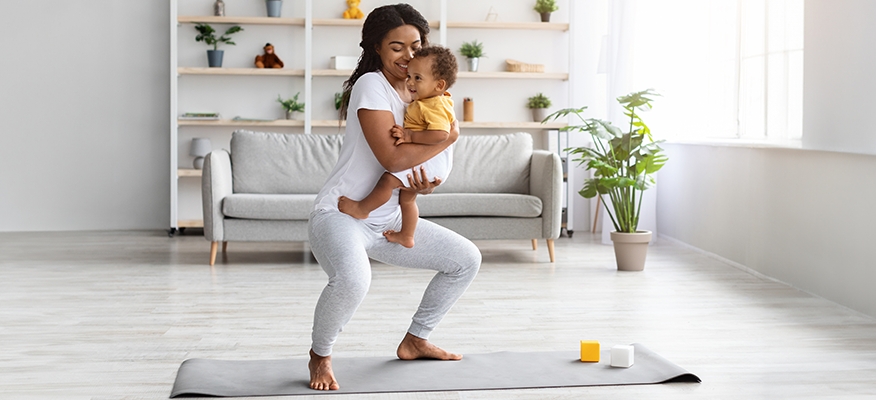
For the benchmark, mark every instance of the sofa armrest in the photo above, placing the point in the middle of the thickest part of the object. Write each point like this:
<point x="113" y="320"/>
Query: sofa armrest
<point x="546" y="182"/>
<point x="215" y="185"/>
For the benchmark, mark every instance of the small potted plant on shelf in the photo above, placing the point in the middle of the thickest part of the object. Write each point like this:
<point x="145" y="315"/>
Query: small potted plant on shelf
<point x="291" y="105"/>
<point x="623" y="165"/>
<point x="339" y="98"/>
<point x="539" y="105"/>
<point x="207" y="34"/>
<point x="472" y="51"/>
<point x="545" y="8"/>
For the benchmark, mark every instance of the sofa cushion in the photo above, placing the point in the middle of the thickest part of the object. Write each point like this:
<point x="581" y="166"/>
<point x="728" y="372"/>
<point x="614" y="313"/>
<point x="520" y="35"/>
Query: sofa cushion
<point x="490" y="164"/>
<point x="279" y="163"/>
<point x="268" y="206"/>
<point x="479" y="204"/>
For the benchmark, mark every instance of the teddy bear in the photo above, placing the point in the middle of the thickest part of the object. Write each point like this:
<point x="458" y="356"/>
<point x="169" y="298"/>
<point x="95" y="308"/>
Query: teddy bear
<point x="269" y="59"/>
<point x="353" y="12"/>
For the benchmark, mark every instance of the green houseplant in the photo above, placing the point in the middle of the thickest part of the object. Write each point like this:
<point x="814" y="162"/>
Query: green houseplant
<point x="291" y="105"/>
<point x="539" y="105"/>
<point x="472" y="51"/>
<point x="545" y="8"/>
<point x="207" y="34"/>
<point x="623" y="165"/>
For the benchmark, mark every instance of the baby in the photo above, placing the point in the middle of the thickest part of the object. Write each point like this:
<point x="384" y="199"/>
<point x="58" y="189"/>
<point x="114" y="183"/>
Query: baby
<point x="427" y="121"/>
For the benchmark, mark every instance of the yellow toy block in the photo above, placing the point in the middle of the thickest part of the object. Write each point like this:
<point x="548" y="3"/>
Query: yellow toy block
<point x="589" y="351"/>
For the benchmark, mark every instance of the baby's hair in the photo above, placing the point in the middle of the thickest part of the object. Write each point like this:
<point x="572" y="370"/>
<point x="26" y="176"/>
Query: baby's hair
<point x="443" y="63"/>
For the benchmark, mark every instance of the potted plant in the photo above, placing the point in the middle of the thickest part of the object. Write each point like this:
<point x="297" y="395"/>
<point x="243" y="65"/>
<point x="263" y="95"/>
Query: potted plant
<point x="339" y="98"/>
<point x="207" y="34"/>
<point x="291" y="106"/>
<point x="545" y="8"/>
<point x="539" y="104"/>
<point x="274" y="8"/>
<point x="472" y="52"/>
<point x="623" y="165"/>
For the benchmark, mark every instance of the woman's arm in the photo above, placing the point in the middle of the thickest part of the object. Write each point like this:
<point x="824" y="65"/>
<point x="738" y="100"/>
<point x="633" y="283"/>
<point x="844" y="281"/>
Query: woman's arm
<point x="376" y="126"/>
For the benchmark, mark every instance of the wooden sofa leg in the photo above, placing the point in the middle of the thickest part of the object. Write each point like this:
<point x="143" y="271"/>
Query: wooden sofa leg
<point x="550" y="243"/>
<point x="213" y="247"/>
<point x="534" y="244"/>
<point x="224" y="247"/>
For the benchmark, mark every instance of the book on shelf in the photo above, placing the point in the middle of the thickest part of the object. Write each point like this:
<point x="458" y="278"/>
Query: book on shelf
<point x="200" y="116"/>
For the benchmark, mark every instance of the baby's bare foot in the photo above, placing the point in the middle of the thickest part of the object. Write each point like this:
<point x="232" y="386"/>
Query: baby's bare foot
<point x="413" y="348"/>
<point x="351" y="208"/>
<point x="400" y="238"/>
<point x="321" y="375"/>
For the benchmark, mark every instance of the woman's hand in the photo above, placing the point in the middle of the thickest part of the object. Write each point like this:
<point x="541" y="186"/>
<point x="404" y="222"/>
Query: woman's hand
<point x="420" y="183"/>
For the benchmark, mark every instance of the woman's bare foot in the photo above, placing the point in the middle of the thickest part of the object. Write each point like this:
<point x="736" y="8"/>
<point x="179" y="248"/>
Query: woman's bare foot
<point x="412" y="348"/>
<point x="351" y="208"/>
<point x="321" y="375"/>
<point x="400" y="238"/>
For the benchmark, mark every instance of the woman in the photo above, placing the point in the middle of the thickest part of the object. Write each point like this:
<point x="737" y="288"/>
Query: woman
<point x="375" y="100"/>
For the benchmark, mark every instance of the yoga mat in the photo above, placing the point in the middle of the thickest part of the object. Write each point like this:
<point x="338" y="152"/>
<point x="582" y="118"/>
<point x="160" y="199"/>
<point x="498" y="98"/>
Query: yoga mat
<point x="504" y="370"/>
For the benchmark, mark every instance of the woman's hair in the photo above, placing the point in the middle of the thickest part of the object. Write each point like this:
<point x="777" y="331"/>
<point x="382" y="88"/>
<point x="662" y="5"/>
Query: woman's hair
<point x="379" y="22"/>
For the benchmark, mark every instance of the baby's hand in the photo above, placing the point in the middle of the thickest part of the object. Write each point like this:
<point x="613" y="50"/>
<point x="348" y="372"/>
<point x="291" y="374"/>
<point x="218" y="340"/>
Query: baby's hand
<point x="401" y="135"/>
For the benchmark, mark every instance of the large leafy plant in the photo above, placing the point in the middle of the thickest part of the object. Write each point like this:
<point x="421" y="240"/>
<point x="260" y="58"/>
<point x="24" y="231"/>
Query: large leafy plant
<point x="623" y="163"/>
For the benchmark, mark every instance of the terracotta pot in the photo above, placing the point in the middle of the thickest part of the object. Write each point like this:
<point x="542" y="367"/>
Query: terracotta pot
<point x="630" y="249"/>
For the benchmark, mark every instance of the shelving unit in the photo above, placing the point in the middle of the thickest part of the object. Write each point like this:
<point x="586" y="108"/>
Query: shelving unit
<point x="302" y="74"/>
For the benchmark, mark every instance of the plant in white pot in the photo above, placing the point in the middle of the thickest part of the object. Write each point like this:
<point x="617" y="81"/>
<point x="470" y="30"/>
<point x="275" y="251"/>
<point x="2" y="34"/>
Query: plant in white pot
<point x="623" y="165"/>
<point x="539" y="105"/>
<point x="291" y="106"/>
<point x="207" y="34"/>
<point x="472" y="51"/>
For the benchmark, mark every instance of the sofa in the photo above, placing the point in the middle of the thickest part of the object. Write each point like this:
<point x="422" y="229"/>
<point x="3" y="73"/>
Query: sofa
<point x="264" y="188"/>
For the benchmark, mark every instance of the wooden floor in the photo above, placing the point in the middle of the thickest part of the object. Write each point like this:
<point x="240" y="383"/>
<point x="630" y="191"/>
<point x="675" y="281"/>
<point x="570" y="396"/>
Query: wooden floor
<point x="111" y="315"/>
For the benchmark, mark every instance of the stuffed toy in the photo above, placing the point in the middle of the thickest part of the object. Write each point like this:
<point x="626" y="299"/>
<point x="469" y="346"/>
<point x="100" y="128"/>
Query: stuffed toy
<point x="269" y="59"/>
<point x="353" y="12"/>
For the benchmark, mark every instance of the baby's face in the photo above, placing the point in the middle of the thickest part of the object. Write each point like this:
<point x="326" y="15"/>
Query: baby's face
<point x="421" y="83"/>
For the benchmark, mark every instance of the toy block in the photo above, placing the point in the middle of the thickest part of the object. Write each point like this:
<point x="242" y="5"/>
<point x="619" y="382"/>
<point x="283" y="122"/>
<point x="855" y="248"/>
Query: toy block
<point x="589" y="351"/>
<point x="622" y="356"/>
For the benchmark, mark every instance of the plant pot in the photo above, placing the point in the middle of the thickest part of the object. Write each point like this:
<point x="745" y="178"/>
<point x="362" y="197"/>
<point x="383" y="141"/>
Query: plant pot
<point x="545" y="17"/>
<point x="275" y="7"/>
<point x="292" y="114"/>
<point x="473" y="64"/>
<point x="630" y="249"/>
<point x="539" y="114"/>
<point x="214" y="58"/>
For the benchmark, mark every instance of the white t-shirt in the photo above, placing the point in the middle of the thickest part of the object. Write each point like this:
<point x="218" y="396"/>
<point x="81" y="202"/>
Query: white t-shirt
<point x="358" y="170"/>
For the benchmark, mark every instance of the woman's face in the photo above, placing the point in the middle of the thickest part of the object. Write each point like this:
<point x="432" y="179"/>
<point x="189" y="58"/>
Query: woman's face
<point x="396" y="49"/>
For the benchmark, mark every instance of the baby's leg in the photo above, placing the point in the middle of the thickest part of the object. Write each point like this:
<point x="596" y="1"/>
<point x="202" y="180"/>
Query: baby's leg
<point x="410" y="214"/>
<point x="381" y="193"/>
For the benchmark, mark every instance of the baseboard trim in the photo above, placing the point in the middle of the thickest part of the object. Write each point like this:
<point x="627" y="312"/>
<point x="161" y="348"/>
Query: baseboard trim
<point x="755" y="273"/>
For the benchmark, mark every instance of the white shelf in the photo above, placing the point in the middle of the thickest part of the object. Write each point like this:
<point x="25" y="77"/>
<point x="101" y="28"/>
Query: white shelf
<point x="346" y="73"/>
<point x="240" y="20"/>
<point x="240" y="71"/>
<point x="549" y="26"/>
<point x="512" y="75"/>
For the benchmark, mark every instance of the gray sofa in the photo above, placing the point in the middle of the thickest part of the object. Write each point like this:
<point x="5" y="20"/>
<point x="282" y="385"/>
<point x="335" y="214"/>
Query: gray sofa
<point x="263" y="190"/>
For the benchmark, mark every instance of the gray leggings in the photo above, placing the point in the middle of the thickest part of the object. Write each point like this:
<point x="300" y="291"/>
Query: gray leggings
<point x="343" y="244"/>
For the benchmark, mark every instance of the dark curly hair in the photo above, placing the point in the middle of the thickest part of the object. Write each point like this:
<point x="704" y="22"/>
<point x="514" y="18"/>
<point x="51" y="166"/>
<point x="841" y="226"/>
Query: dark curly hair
<point x="379" y="22"/>
<point x="444" y="64"/>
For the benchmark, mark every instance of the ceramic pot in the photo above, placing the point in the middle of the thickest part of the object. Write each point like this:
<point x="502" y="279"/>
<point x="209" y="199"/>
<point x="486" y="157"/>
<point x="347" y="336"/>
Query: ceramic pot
<point x="473" y="64"/>
<point x="275" y="7"/>
<point x="214" y="58"/>
<point x="630" y="249"/>
<point x="292" y="114"/>
<point x="539" y="114"/>
<point x="546" y="17"/>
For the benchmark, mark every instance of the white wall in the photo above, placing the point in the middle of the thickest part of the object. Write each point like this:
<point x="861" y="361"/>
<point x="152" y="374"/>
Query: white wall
<point x="84" y="114"/>
<point x="800" y="216"/>
<point x="839" y="82"/>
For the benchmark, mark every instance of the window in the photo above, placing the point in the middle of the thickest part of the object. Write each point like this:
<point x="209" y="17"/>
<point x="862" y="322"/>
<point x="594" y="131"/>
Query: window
<point x="726" y="68"/>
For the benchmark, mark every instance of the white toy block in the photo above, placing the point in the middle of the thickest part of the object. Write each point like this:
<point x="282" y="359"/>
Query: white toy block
<point x="622" y="356"/>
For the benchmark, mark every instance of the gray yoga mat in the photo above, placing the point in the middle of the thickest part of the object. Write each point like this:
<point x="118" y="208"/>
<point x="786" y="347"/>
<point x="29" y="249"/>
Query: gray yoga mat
<point x="504" y="370"/>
